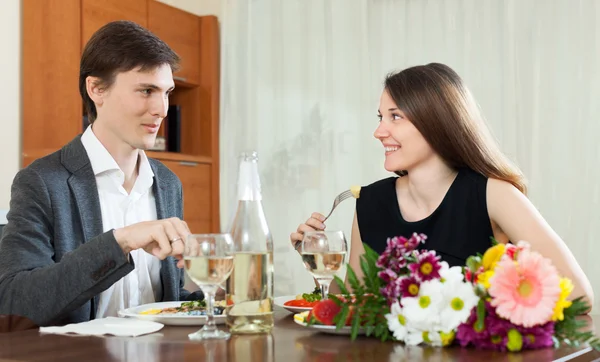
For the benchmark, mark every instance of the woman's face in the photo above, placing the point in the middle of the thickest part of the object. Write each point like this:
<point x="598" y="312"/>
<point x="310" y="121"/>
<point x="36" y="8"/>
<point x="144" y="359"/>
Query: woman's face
<point x="405" y="147"/>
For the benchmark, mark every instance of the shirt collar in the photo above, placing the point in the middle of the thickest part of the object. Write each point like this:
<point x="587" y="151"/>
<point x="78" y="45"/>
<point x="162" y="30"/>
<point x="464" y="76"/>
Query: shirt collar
<point x="102" y="161"/>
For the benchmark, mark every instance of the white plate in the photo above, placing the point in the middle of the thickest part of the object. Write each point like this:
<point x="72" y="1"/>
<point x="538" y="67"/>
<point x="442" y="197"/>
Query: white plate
<point x="346" y="331"/>
<point x="169" y="320"/>
<point x="280" y="300"/>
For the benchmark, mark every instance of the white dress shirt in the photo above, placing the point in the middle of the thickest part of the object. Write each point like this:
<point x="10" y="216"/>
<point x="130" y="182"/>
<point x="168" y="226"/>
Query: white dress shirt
<point x="119" y="209"/>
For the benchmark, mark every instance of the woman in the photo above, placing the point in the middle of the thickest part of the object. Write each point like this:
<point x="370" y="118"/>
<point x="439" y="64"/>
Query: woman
<point x="455" y="185"/>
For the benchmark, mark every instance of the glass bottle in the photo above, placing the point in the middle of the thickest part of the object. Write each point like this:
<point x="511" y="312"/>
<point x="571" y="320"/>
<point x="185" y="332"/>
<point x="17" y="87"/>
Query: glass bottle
<point x="250" y="286"/>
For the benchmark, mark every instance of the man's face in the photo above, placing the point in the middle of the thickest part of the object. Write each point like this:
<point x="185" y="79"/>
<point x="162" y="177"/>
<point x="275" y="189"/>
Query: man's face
<point x="133" y="108"/>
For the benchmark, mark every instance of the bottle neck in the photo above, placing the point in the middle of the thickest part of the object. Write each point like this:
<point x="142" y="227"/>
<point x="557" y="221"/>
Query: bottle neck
<point x="249" y="182"/>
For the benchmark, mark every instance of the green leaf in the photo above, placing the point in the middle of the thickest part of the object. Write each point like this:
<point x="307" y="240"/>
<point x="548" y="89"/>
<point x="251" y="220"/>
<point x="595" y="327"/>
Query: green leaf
<point x="370" y="252"/>
<point x="355" y="326"/>
<point x="364" y="266"/>
<point x="310" y="320"/>
<point x="479" y="324"/>
<point x="335" y="298"/>
<point x="353" y="280"/>
<point x="340" y="318"/>
<point x="341" y="285"/>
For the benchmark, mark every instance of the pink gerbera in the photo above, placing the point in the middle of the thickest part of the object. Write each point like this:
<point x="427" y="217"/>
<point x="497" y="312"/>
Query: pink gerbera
<point x="525" y="291"/>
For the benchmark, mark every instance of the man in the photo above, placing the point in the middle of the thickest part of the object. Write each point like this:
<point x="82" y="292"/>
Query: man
<point x="96" y="226"/>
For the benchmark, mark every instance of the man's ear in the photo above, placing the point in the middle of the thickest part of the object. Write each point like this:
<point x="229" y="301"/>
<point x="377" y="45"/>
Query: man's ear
<point x="95" y="89"/>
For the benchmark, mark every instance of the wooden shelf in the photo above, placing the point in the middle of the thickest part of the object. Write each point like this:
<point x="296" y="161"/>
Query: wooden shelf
<point x="174" y="156"/>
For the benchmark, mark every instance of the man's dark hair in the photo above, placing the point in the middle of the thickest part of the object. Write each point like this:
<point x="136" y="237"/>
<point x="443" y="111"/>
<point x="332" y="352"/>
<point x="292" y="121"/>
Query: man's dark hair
<point x="117" y="47"/>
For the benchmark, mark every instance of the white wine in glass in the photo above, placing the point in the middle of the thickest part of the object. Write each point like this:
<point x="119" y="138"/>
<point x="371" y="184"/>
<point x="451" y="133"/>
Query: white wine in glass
<point x="208" y="261"/>
<point x="324" y="254"/>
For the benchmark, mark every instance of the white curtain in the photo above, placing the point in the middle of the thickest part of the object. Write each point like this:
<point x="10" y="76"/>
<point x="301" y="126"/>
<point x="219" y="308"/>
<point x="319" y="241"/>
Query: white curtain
<point x="301" y="81"/>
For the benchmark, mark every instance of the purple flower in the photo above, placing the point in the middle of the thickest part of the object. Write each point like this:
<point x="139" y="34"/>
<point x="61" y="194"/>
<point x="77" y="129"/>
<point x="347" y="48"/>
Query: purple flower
<point x="397" y="249"/>
<point x="409" y="287"/>
<point x="495" y="331"/>
<point x="427" y="266"/>
<point x="467" y="333"/>
<point x="413" y="242"/>
<point x="392" y="291"/>
<point x="537" y="336"/>
<point x="493" y="335"/>
<point x="387" y="275"/>
<point x="397" y="265"/>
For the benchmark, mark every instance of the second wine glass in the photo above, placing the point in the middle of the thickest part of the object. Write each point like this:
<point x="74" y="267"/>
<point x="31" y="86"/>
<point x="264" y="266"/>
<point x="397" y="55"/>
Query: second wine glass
<point x="324" y="254"/>
<point x="208" y="261"/>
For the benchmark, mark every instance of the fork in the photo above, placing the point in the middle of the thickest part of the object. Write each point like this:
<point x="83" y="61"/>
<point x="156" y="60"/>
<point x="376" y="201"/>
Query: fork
<point x="338" y="200"/>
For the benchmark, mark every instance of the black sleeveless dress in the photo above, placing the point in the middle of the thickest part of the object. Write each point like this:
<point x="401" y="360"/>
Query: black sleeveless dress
<point x="458" y="228"/>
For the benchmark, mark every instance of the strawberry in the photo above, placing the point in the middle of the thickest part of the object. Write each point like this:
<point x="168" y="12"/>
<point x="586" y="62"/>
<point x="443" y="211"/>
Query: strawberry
<point x="325" y="311"/>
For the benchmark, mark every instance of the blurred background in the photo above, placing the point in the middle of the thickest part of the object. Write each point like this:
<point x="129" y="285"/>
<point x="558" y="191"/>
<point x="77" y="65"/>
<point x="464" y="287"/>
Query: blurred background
<point x="299" y="81"/>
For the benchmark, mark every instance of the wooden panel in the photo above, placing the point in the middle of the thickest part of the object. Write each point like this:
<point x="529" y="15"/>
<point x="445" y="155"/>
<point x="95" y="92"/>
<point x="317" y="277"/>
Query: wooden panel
<point x="181" y="31"/>
<point x="51" y="102"/>
<point x="96" y="13"/>
<point x="196" y="181"/>
<point x="209" y="102"/>
<point x="193" y="134"/>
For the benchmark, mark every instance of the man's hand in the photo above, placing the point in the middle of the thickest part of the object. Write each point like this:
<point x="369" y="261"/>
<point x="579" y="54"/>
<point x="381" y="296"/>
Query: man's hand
<point x="161" y="238"/>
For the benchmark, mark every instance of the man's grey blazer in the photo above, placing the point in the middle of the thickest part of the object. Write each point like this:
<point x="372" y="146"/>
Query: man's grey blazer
<point x="55" y="259"/>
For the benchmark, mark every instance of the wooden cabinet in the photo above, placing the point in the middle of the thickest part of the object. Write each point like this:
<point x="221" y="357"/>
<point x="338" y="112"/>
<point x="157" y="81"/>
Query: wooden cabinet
<point x="96" y="13"/>
<point x="51" y="102"/>
<point x="54" y="35"/>
<point x="181" y="31"/>
<point x="196" y="181"/>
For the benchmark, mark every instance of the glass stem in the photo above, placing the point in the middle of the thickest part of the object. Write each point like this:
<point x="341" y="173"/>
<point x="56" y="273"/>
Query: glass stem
<point x="210" y="311"/>
<point x="324" y="288"/>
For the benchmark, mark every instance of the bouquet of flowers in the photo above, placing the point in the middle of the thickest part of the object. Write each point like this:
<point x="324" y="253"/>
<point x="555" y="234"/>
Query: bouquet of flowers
<point x="510" y="298"/>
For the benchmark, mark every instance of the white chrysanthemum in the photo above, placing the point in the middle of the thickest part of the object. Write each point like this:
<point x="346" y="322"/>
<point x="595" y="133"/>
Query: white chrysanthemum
<point x="428" y="337"/>
<point x="423" y="311"/>
<point x="458" y="300"/>
<point x="397" y="322"/>
<point x="451" y="275"/>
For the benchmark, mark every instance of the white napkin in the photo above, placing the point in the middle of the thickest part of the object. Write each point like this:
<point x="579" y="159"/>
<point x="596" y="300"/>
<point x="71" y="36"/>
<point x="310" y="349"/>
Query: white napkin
<point x="122" y="327"/>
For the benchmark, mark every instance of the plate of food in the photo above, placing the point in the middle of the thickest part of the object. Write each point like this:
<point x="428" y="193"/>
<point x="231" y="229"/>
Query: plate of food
<point x="175" y="313"/>
<point x="299" y="303"/>
<point x="301" y="319"/>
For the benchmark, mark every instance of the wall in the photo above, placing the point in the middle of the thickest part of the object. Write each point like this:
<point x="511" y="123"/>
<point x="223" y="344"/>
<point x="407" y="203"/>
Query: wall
<point x="10" y="81"/>
<point x="198" y="7"/>
<point x="10" y="96"/>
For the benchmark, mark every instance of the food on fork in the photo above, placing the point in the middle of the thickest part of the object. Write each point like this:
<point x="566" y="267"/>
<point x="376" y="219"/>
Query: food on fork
<point x="355" y="190"/>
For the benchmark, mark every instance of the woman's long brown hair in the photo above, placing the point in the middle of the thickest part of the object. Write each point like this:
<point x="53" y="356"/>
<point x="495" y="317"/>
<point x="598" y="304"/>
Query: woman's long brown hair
<point x="434" y="98"/>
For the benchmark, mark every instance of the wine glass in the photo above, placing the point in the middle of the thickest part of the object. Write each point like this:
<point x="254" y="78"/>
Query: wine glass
<point x="208" y="260"/>
<point x="323" y="254"/>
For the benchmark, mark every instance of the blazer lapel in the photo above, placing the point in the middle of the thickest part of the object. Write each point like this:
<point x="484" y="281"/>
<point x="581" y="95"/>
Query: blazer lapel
<point x="83" y="187"/>
<point x="165" y="209"/>
<point x="85" y="192"/>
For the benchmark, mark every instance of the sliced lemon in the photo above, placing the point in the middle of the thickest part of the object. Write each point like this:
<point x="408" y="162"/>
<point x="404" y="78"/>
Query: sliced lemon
<point x="300" y="317"/>
<point x="151" y="311"/>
